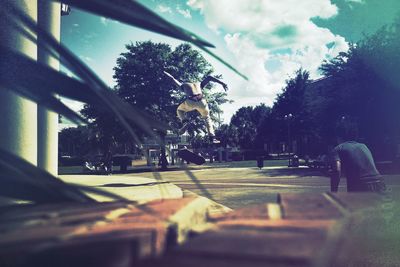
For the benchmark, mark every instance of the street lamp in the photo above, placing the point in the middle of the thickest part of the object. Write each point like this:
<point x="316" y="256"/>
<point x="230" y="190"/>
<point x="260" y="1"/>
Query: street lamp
<point x="289" y="117"/>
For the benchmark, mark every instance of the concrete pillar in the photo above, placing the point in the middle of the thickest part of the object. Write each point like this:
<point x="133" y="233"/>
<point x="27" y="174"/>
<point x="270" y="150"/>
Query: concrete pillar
<point x="49" y="15"/>
<point x="18" y="116"/>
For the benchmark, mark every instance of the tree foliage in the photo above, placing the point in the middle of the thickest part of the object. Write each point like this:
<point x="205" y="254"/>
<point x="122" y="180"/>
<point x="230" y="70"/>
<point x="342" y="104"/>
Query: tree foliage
<point x="361" y="86"/>
<point x="245" y="125"/>
<point x="140" y="81"/>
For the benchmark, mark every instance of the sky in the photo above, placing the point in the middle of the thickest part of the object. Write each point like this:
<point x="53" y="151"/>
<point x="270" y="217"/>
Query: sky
<point x="267" y="40"/>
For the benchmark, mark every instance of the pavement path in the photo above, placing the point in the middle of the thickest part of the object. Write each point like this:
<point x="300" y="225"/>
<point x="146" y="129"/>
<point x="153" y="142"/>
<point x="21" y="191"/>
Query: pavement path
<point x="136" y="188"/>
<point x="233" y="184"/>
<point x="237" y="187"/>
<point x="300" y="230"/>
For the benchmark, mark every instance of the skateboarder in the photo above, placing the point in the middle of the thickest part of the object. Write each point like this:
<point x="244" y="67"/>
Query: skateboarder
<point x="196" y="101"/>
<point x="355" y="160"/>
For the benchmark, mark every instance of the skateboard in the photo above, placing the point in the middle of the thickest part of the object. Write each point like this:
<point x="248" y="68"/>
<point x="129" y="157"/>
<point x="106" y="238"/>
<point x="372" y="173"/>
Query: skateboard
<point x="190" y="156"/>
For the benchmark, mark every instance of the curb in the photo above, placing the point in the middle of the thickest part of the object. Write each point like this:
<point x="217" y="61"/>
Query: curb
<point x="138" y="189"/>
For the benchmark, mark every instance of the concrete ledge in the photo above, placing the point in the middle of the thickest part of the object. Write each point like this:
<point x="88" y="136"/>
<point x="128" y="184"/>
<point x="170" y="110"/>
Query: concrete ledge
<point x="134" y="188"/>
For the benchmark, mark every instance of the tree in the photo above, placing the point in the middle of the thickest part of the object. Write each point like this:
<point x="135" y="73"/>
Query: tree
<point x="228" y="135"/>
<point x="42" y="84"/>
<point x="75" y="141"/>
<point x="363" y="85"/>
<point x="140" y="79"/>
<point x="290" y="101"/>
<point x="246" y="122"/>
<point x="289" y="116"/>
<point x="142" y="83"/>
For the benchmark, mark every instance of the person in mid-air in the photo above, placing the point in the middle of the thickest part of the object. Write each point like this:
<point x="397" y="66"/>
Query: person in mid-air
<point x="196" y="101"/>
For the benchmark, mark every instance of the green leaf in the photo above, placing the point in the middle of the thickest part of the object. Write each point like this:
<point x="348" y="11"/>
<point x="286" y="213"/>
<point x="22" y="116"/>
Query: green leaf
<point x="39" y="83"/>
<point x="100" y="92"/>
<point x="19" y="179"/>
<point x="23" y="180"/>
<point x="135" y="14"/>
<point x="224" y="62"/>
<point x="33" y="83"/>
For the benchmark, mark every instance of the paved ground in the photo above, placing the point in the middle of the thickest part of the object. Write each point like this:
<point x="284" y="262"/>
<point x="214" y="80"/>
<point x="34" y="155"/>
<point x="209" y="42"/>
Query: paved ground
<point x="242" y="186"/>
<point x="134" y="188"/>
<point x="355" y="229"/>
<point x="238" y="184"/>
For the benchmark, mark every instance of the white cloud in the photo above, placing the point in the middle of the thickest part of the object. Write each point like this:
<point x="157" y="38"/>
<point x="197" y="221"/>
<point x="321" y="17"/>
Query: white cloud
<point x="163" y="9"/>
<point x="72" y="104"/>
<point x="260" y="15"/>
<point x="351" y="2"/>
<point x="184" y="12"/>
<point x="356" y="1"/>
<point x="252" y="63"/>
<point x="270" y="40"/>
<point x="104" y="21"/>
<point x="86" y="58"/>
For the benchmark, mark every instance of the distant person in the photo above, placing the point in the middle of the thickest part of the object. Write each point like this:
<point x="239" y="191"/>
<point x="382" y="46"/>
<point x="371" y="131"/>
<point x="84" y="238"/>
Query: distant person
<point x="195" y="101"/>
<point x="108" y="162"/>
<point x="355" y="160"/>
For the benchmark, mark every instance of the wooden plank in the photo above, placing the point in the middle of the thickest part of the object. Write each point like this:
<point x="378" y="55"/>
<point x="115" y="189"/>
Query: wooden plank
<point x="297" y="247"/>
<point x="206" y="261"/>
<point x="28" y="234"/>
<point x="259" y="211"/>
<point x="277" y="225"/>
<point x="308" y="206"/>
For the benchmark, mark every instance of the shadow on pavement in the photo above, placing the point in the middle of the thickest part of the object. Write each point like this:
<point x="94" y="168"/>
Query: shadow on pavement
<point x="301" y="172"/>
